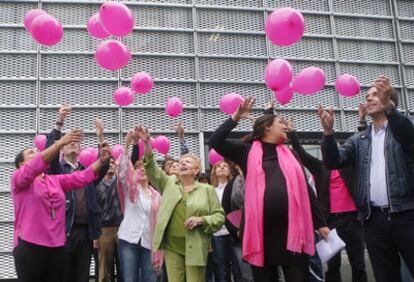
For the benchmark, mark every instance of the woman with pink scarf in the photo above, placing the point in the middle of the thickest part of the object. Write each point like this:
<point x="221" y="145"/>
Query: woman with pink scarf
<point x="140" y="203"/>
<point x="280" y="209"/>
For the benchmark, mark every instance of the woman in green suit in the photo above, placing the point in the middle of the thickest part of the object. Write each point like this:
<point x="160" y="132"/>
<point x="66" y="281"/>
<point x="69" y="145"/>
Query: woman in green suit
<point x="190" y="213"/>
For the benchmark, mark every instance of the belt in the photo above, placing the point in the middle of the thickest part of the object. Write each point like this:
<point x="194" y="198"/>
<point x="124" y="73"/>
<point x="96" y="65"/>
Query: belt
<point x="383" y="209"/>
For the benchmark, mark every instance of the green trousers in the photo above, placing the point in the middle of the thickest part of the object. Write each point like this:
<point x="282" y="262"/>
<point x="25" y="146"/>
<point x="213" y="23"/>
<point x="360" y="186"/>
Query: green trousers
<point x="177" y="271"/>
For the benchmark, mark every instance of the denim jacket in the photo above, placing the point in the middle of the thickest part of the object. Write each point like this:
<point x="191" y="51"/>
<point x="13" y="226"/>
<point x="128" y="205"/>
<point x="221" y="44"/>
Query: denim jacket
<point x="399" y="169"/>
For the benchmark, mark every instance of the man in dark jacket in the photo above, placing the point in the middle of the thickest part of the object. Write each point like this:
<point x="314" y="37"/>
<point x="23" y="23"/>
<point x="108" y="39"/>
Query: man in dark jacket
<point x="83" y="216"/>
<point x="382" y="156"/>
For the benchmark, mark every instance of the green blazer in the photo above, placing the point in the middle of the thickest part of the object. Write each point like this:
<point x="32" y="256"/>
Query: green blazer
<point x="201" y="201"/>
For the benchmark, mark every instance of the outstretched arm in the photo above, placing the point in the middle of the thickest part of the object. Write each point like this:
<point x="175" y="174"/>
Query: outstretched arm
<point x="56" y="134"/>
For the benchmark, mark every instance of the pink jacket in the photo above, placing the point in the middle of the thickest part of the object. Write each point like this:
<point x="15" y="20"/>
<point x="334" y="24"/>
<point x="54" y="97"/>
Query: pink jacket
<point x="39" y="202"/>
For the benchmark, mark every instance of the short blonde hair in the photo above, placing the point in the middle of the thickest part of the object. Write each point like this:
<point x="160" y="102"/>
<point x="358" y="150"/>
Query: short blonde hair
<point x="213" y="177"/>
<point x="193" y="157"/>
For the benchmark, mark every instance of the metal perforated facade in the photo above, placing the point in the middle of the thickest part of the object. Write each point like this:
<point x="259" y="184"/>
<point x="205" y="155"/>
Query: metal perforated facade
<point x="196" y="50"/>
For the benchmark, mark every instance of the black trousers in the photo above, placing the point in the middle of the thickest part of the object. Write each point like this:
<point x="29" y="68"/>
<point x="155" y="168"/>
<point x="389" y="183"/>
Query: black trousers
<point x="349" y="228"/>
<point x="292" y="273"/>
<point x="78" y="253"/>
<point x="387" y="236"/>
<point x="38" y="263"/>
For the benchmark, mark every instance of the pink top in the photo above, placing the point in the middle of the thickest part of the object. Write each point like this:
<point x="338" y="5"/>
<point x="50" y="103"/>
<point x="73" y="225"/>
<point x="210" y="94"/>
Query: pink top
<point x="39" y="202"/>
<point x="341" y="200"/>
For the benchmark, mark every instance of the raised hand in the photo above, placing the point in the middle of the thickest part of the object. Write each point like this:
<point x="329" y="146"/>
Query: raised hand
<point x="179" y="129"/>
<point x="289" y="124"/>
<point x="64" y="112"/>
<point x="270" y="105"/>
<point x="99" y="127"/>
<point x="75" y="136"/>
<point x="143" y="133"/>
<point x="382" y="84"/>
<point x="244" y="110"/>
<point x="130" y="137"/>
<point x="362" y="112"/>
<point x="327" y="119"/>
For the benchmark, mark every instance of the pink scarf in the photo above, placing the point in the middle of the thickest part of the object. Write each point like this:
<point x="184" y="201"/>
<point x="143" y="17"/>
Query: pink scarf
<point x="133" y="193"/>
<point x="300" y="226"/>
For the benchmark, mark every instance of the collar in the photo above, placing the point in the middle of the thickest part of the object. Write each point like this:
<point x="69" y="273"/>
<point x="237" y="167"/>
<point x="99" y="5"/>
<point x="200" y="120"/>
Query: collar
<point x="74" y="167"/>
<point x="380" y="128"/>
<point x="110" y="182"/>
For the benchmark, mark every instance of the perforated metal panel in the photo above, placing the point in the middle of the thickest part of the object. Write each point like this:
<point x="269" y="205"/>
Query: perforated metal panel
<point x="81" y="118"/>
<point x="72" y="66"/>
<point x="161" y="67"/>
<point x="186" y="92"/>
<point x="231" y="44"/>
<point x="231" y="69"/>
<point x="149" y="42"/>
<point x="350" y="50"/>
<point x="18" y="65"/>
<point x="364" y="28"/>
<point x="232" y="20"/>
<point x="307" y="48"/>
<point x="18" y="93"/>
<point x="6" y="169"/>
<point x="363" y="7"/>
<point x="158" y="120"/>
<point x="315" y="6"/>
<point x="6" y="207"/>
<point x="210" y="93"/>
<point x="77" y="93"/>
<point x="197" y="50"/>
<point x="327" y="96"/>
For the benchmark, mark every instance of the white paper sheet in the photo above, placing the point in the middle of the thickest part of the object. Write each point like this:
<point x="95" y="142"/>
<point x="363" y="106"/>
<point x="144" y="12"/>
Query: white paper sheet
<point x="327" y="249"/>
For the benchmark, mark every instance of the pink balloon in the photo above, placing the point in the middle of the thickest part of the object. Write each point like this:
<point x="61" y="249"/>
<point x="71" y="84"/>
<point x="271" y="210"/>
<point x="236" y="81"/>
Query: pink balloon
<point x="46" y="30"/>
<point x="285" y="26"/>
<point x="230" y="102"/>
<point x="117" y="150"/>
<point x="278" y="74"/>
<point x="284" y="95"/>
<point x="40" y="142"/>
<point x="309" y="81"/>
<point x="347" y="85"/>
<point x="174" y="107"/>
<point x="116" y="18"/>
<point x="123" y="96"/>
<point x="141" y="148"/>
<point x="163" y="144"/>
<point x="88" y="156"/>
<point x="214" y="157"/>
<point x="30" y="16"/>
<point x="112" y="55"/>
<point x="142" y="83"/>
<point x="95" y="27"/>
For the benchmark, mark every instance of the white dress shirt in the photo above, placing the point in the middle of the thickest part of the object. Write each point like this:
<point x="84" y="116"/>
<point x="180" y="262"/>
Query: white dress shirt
<point x="378" y="178"/>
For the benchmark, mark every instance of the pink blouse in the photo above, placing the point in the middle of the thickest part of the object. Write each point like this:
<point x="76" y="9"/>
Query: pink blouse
<point x="39" y="202"/>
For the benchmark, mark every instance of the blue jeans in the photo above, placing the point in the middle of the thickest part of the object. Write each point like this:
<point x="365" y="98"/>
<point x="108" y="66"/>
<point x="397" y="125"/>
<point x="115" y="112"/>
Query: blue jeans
<point x="209" y="268"/>
<point x="136" y="264"/>
<point x="222" y="257"/>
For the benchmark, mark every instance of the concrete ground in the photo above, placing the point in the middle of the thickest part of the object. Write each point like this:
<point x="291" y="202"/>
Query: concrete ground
<point x="346" y="269"/>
